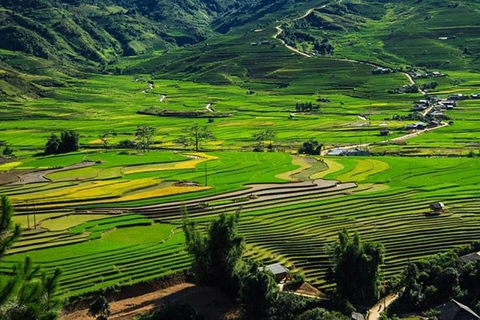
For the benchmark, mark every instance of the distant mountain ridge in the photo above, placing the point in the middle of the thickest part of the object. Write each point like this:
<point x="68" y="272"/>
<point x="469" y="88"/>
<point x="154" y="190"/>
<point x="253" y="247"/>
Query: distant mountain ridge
<point x="101" y="30"/>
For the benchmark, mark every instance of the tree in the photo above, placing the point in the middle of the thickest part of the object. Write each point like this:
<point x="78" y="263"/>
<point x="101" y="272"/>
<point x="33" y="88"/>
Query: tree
<point x="261" y="137"/>
<point x="312" y="147"/>
<point x="105" y="136"/>
<point x="216" y="257"/>
<point x="99" y="308"/>
<point x="68" y="141"/>
<point x="194" y="135"/>
<point x="8" y="152"/>
<point x="145" y="136"/>
<point x="28" y="293"/>
<point x="258" y="292"/>
<point x="356" y="267"/>
<point x="52" y="145"/>
<point x="9" y="233"/>
<point x="320" y="313"/>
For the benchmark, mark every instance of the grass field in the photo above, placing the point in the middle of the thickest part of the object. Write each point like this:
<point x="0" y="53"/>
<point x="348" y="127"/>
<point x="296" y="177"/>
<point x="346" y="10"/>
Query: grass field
<point x="113" y="217"/>
<point x="387" y="204"/>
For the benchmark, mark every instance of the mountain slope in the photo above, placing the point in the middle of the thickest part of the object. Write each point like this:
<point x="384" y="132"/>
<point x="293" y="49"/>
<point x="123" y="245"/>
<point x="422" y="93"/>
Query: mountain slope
<point x="426" y="33"/>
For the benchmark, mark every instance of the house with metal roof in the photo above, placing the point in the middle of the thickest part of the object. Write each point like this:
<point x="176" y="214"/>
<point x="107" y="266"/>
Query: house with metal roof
<point x="278" y="270"/>
<point x="454" y="310"/>
<point x="474" y="256"/>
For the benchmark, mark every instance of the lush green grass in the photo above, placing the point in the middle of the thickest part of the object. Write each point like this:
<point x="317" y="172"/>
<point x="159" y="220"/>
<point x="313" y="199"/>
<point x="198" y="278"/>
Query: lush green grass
<point x="90" y="231"/>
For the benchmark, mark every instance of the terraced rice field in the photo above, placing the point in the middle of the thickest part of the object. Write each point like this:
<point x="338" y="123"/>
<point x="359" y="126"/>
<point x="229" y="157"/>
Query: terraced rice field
<point x="385" y="199"/>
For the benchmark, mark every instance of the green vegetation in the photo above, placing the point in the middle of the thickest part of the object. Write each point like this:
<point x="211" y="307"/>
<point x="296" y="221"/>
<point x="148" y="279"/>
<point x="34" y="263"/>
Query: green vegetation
<point x="128" y="76"/>
<point x="25" y="293"/>
<point x="434" y="281"/>
<point x="356" y="268"/>
<point x="68" y="142"/>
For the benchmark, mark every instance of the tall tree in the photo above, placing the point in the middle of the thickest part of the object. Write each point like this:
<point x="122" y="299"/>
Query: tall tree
<point x="258" y="292"/>
<point x="217" y="256"/>
<point x="194" y="135"/>
<point x="68" y="141"/>
<point x="9" y="233"/>
<point x="28" y="294"/>
<point x="145" y="136"/>
<point x="52" y="145"/>
<point x="105" y="137"/>
<point x="261" y="137"/>
<point x="356" y="267"/>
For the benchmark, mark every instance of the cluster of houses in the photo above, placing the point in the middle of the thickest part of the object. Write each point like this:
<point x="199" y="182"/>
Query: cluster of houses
<point x="428" y="74"/>
<point x="433" y="109"/>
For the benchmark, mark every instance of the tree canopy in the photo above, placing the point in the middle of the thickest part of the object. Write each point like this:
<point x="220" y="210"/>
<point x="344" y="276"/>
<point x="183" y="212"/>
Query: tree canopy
<point x="28" y="293"/>
<point x="356" y="267"/>
<point x="195" y="135"/>
<point x="68" y="142"/>
<point x="217" y="255"/>
<point x="312" y="147"/>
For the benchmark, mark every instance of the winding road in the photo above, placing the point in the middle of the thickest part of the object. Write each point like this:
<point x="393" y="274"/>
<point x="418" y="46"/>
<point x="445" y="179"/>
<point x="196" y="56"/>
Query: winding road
<point x="306" y="14"/>
<point x="408" y="76"/>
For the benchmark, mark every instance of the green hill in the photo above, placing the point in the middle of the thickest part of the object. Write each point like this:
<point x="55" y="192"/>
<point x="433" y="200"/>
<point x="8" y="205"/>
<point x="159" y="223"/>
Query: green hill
<point x="215" y="41"/>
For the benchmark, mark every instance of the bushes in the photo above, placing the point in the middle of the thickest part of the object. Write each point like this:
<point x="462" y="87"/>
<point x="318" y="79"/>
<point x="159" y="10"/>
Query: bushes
<point x="312" y="147"/>
<point x="68" y="142"/>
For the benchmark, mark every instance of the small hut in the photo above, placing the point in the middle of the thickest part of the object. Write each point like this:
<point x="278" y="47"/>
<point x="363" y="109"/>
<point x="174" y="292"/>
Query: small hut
<point x="437" y="207"/>
<point x="280" y="272"/>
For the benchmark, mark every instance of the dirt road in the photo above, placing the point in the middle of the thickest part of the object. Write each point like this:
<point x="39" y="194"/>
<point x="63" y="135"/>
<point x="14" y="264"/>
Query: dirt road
<point x="376" y="310"/>
<point x="128" y="308"/>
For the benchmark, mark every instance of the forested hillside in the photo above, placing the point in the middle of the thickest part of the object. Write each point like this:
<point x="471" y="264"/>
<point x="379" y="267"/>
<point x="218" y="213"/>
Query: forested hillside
<point x="170" y="37"/>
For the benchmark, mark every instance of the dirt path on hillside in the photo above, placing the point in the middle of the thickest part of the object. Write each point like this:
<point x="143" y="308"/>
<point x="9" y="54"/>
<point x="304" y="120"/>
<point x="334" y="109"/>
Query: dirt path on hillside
<point x="209" y="301"/>
<point x="376" y="310"/>
<point x="128" y="308"/>
<point x="404" y="137"/>
<point x="280" y="30"/>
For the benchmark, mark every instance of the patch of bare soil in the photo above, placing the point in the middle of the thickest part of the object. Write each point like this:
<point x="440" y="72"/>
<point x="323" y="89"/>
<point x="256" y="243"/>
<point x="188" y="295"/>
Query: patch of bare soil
<point x="12" y="176"/>
<point x="208" y="301"/>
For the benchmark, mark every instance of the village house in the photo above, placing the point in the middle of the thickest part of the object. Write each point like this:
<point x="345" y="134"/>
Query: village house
<point x="416" y="126"/>
<point x="457" y="96"/>
<point x="279" y="271"/>
<point x="437" y="207"/>
<point x="474" y="256"/>
<point x="384" y="132"/>
<point x="454" y="310"/>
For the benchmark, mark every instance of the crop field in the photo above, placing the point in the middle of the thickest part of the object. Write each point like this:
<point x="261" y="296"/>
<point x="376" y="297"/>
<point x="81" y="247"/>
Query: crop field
<point x="110" y="216"/>
<point x="385" y="199"/>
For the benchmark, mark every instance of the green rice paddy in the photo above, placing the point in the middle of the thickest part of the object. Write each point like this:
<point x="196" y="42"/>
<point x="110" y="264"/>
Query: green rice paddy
<point x="113" y="217"/>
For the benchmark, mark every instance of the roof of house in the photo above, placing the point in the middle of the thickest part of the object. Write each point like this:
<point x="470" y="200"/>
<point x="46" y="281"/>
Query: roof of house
<point x="454" y="310"/>
<point x="337" y="152"/>
<point x="470" y="257"/>
<point x="437" y="205"/>
<point x="276" y="268"/>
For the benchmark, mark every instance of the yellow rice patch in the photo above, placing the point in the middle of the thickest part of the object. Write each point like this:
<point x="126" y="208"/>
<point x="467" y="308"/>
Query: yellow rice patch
<point x="9" y="166"/>
<point x="188" y="164"/>
<point x="333" y="166"/>
<point x="299" y="161"/>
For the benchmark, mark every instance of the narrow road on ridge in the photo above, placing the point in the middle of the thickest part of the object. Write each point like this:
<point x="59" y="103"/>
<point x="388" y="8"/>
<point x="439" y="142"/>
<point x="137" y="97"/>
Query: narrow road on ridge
<point x="306" y="14"/>
<point x="408" y="76"/>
